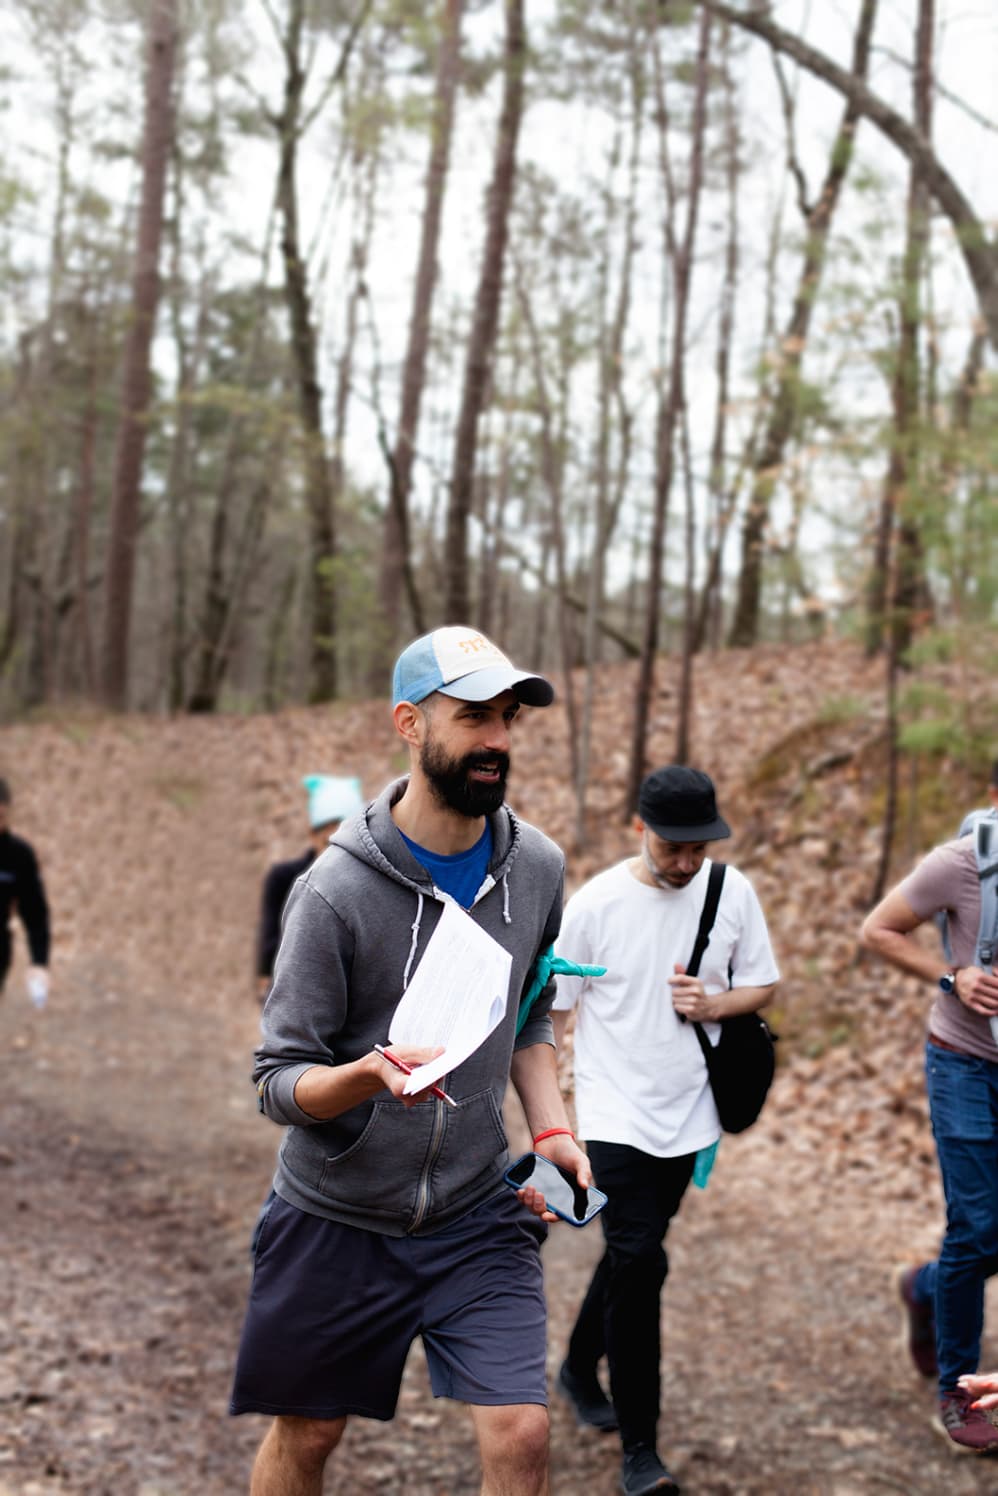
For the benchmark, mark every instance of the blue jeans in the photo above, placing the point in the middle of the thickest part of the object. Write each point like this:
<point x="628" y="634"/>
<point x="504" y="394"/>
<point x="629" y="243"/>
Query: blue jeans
<point x="963" y="1105"/>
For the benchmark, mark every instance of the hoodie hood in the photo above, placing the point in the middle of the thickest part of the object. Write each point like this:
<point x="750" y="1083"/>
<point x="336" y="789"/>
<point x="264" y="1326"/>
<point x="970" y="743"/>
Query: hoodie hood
<point x="373" y="837"/>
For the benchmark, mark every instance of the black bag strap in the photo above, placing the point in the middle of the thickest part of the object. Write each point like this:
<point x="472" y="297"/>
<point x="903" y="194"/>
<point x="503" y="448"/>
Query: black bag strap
<point x="715" y="881"/>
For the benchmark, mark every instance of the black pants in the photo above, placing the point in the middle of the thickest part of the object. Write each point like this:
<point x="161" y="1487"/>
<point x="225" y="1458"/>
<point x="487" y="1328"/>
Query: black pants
<point x="620" y="1313"/>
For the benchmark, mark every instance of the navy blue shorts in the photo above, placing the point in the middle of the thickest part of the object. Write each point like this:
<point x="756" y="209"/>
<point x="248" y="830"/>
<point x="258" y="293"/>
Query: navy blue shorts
<point x="333" y="1311"/>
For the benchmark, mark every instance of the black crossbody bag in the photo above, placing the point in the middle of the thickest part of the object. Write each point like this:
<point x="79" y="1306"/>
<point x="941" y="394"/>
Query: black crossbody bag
<point x="742" y="1062"/>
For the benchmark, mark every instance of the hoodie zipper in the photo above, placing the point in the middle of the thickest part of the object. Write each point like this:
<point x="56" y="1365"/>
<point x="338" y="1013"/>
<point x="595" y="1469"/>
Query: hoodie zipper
<point x="436" y="1143"/>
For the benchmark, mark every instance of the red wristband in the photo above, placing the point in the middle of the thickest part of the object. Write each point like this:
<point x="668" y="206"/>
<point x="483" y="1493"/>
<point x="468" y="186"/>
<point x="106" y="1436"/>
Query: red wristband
<point x="553" y="1132"/>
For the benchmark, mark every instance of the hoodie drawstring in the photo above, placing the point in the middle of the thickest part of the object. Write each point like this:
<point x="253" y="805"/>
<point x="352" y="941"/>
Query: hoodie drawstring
<point x="413" y="943"/>
<point x="505" y="900"/>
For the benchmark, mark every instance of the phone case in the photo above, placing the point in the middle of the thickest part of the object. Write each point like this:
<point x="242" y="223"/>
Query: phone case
<point x="595" y="1199"/>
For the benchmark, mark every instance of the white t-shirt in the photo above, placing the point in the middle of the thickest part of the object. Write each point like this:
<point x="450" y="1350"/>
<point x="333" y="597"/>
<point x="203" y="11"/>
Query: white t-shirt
<point x="640" y="1076"/>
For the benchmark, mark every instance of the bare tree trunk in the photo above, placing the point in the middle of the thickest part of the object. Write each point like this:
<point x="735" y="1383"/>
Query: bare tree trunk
<point x="75" y="663"/>
<point x="681" y="276"/>
<point x="137" y="381"/>
<point x="891" y="772"/>
<point x="722" y="495"/>
<point x="18" y="522"/>
<point x="684" y="698"/>
<point x="906" y="400"/>
<point x="962" y="404"/>
<point x="897" y="584"/>
<point x="396" y="565"/>
<point x="318" y="489"/>
<point x="553" y="476"/>
<point x="290" y="125"/>
<point x="274" y="663"/>
<point x="491" y="495"/>
<point x="84" y="510"/>
<point x="209" y="666"/>
<point x="783" y="415"/>
<point x="178" y="495"/>
<point x="609" y="497"/>
<point x="486" y="319"/>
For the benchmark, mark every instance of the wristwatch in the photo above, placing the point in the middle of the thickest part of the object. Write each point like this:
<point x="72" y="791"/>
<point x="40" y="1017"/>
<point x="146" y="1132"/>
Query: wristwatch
<point x="947" y="982"/>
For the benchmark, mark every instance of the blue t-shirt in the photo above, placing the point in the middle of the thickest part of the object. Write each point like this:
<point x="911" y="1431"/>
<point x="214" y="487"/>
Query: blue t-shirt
<point x="460" y="874"/>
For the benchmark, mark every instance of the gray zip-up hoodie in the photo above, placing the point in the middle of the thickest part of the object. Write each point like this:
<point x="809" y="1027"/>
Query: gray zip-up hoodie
<point x="354" y="929"/>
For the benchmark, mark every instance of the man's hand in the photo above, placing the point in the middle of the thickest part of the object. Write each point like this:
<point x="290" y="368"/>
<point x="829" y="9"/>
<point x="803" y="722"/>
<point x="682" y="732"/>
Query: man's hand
<point x="396" y="1080"/>
<point x="562" y="1149"/>
<point x="690" y="999"/>
<point x="983" y="1388"/>
<point x="38" y="985"/>
<point x="978" y="990"/>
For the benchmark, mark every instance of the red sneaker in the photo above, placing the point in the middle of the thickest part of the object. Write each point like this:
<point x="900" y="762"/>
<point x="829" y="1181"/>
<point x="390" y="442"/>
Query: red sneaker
<point x="970" y="1429"/>
<point x="918" y="1322"/>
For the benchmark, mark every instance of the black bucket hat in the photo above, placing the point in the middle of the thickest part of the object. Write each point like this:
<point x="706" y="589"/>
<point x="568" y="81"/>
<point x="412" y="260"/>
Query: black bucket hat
<point x="678" y="804"/>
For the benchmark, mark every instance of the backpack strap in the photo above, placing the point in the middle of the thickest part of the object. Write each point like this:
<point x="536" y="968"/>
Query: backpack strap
<point x="986" y="853"/>
<point x="715" y="882"/>
<point x="983" y="825"/>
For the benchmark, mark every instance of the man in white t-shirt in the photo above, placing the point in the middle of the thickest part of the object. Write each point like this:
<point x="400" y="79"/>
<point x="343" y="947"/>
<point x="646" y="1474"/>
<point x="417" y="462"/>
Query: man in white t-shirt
<point x="642" y="1096"/>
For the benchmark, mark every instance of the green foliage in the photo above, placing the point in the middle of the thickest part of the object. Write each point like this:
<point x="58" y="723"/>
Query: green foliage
<point x="923" y="696"/>
<point x="932" y="736"/>
<point x="14" y="194"/>
<point x="842" y="709"/>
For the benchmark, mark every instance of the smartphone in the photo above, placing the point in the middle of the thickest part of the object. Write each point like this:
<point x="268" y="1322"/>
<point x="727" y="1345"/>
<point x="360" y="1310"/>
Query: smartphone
<point x="561" y="1190"/>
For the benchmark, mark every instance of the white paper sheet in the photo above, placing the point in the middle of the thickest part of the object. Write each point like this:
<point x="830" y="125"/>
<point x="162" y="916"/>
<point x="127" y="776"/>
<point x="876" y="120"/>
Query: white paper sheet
<point x="456" y="997"/>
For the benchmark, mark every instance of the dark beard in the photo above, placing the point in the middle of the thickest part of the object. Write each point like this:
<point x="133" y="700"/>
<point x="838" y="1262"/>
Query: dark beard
<point x="449" y="781"/>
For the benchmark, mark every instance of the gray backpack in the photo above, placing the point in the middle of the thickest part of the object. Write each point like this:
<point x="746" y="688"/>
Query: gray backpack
<point x="984" y="825"/>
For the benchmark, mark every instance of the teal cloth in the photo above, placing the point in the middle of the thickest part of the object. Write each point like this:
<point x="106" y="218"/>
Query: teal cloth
<point x="703" y="1164"/>
<point x="546" y="966"/>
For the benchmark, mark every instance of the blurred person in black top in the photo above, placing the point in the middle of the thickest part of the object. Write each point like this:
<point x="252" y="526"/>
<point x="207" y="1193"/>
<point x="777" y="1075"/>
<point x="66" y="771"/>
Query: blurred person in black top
<point x="330" y="800"/>
<point x="21" y="890"/>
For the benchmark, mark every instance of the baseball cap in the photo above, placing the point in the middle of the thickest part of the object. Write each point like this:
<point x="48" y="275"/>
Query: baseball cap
<point x="678" y="804"/>
<point x="331" y="798"/>
<point x="461" y="662"/>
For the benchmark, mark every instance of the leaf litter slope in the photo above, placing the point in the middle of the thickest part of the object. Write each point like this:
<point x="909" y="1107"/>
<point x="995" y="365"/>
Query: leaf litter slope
<point x="132" y="1161"/>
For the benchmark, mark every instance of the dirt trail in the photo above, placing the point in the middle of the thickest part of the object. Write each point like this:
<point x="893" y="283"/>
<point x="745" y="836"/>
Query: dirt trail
<point x="129" y="1195"/>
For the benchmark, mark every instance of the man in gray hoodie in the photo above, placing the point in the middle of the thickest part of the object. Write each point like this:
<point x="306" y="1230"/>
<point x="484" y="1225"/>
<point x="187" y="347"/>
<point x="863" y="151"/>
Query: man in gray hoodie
<point x="389" y="1217"/>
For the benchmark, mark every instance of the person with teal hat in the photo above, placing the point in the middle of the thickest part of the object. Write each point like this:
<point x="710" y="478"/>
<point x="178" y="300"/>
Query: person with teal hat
<point x="332" y="798"/>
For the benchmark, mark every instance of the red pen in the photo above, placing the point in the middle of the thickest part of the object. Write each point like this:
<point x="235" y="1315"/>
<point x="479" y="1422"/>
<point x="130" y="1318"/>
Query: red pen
<point x="393" y="1059"/>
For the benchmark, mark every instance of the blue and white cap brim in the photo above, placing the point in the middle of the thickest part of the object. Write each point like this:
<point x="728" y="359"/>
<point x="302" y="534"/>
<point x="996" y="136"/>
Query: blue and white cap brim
<point x="483" y="685"/>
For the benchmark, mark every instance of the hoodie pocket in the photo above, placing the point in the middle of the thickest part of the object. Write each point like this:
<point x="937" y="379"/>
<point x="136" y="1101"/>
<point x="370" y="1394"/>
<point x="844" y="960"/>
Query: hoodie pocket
<point x="424" y="1156"/>
<point x="376" y="1174"/>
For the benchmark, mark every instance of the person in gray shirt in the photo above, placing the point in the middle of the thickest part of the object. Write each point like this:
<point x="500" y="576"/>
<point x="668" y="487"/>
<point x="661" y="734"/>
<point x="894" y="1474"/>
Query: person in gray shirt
<point x="942" y="1301"/>
<point x="389" y="1216"/>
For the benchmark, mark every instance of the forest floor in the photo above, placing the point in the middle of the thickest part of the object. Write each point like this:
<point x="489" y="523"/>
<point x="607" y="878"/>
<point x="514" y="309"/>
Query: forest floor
<point x="133" y="1162"/>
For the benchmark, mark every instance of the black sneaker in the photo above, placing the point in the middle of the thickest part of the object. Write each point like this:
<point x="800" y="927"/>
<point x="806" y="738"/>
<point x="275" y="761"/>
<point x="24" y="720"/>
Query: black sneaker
<point x="643" y="1472"/>
<point x="918" y="1322"/>
<point x="591" y="1405"/>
